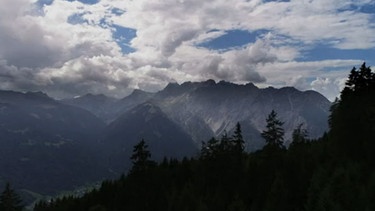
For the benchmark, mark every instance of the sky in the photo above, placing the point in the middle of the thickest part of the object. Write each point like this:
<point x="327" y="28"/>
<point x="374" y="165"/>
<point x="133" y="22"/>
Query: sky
<point x="68" y="48"/>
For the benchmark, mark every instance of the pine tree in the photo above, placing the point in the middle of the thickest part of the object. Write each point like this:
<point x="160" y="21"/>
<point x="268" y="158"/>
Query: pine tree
<point x="299" y="135"/>
<point x="10" y="200"/>
<point x="274" y="133"/>
<point x="141" y="157"/>
<point x="360" y="80"/>
<point x="352" y="118"/>
<point x="225" y="144"/>
<point x="239" y="143"/>
<point x="209" y="149"/>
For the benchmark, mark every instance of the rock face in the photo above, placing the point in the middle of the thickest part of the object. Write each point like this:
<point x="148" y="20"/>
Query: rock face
<point x="217" y="107"/>
<point x="48" y="145"/>
<point x="206" y="109"/>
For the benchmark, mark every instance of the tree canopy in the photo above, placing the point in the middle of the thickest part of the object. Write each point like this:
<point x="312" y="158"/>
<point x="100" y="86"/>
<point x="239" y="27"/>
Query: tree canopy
<point x="10" y="200"/>
<point x="334" y="172"/>
<point x="141" y="157"/>
<point x="274" y="133"/>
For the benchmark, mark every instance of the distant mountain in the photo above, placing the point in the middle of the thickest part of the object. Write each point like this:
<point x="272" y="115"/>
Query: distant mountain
<point x="217" y="107"/>
<point x="108" y="108"/>
<point x="136" y="98"/>
<point x="206" y="109"/>
<point x="146" y="121"/>
<point x="100" y="105"/>
<point x="46" y="146"/>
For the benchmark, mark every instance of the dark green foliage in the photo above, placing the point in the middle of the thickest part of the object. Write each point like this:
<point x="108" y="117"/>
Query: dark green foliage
<point x="141" y="158"/>
<point x="299" y="136"/>
<point x="238" y="139"/>
<point x="362" y="80"/>
<point x="352" y="119"/>
<point x="210" y="149"/>
<point x="274" y="133"/>
<point x="10" y="200"/>
<point x="335" y="172"/>
<point x="226" y="146"/>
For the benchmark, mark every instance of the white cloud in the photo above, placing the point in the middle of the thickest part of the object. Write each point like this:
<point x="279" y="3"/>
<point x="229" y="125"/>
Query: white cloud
<point x="328" y="86"/>
<point x="310" y="75"/>
<point x="42" y="50"/>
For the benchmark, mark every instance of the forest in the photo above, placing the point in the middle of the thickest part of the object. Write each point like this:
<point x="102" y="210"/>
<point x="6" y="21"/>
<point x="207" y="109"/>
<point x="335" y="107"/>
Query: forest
<point x="334" y="172"/>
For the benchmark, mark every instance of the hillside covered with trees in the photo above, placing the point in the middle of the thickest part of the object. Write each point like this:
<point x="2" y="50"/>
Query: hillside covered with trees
<point x="334" y="172"/>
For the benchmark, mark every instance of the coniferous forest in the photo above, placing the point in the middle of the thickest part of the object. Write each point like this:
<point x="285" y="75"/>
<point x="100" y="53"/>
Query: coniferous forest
<point x="335" y="172"/>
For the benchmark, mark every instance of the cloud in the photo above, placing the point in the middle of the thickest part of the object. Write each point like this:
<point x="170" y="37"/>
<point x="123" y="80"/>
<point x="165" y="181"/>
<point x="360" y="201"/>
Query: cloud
<point x="52" y="54"/>
<point x="22" y="40"/>
<point x="328" y="86"/>
<point x="34" y="41"/>
<point x="15" y="78"/>
<point x="68" y="48"/>
<point x="310" y="75"/>
<point x="317" y="21"/>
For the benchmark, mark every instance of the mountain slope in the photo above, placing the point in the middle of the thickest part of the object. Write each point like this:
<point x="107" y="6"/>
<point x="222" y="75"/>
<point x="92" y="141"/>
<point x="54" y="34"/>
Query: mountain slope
<point x="146" y="121"/>
<point x="219" y="106"/>
<point x="46" y="146"/>
<point x="127" y="103"/>
<point x="100" y="105"/>
<point x="206" y="109"/>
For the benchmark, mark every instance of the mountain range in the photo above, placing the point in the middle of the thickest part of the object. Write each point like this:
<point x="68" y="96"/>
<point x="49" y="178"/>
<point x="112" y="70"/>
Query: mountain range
<point x="49" y="145"/>
<point x="206" y="109"/>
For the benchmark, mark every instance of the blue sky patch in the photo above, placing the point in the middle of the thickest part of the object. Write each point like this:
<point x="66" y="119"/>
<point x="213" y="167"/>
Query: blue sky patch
<point x="87" y="1"/>
<point x="232" y="39"/>
<point x="117" y="11"/>
<point x="103" y="22"/>
<point x="370" y="9"/>
<point x="41" y="3"/>
<point x="39" y="7"/>
<point x="77" y="19"/>
<point x="322" y="52"/>
<point x="276" y="1"/>
<point x="123" y="36"/>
